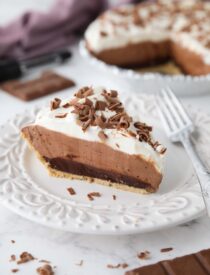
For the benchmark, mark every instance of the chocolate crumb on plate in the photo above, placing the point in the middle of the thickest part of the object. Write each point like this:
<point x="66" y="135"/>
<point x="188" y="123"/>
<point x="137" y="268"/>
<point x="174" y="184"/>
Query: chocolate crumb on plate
<point x="114" y="197"/>
<point x="71" y="191"/>
<point x="25" y="257"/>
<point x="14" y="270"/>
<point x="12" y="258"/>
<point x="45" y="270"/>
<point x="167" y="249"/>
<point x="144" y="255"/>
<point x="92" y="195"/>
<point x="80" y="263"/>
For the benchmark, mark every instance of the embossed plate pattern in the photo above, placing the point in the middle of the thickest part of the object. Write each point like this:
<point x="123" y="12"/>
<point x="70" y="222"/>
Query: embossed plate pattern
<point x="27" y="189"/>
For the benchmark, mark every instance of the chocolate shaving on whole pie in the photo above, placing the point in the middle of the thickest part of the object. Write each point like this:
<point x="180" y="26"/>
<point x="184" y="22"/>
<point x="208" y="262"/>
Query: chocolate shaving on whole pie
<point x="45" y="270"/>
<point x="114" y="197"/>
<point x="55" y="103"/>
<point x="71" y="191"/>
<point x="12" y="241"/>
<point x="25" y="257"/>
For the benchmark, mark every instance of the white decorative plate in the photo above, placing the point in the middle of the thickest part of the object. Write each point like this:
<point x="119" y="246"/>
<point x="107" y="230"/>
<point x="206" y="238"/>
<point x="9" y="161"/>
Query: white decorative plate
<point x="27" y="189"/>
<point x="183" y="85"/>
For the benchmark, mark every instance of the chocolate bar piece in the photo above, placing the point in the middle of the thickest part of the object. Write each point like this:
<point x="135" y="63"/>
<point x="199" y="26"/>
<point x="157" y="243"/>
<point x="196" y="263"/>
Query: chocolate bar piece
<point x="193" y="264"/>
<point x="49" y="82"/>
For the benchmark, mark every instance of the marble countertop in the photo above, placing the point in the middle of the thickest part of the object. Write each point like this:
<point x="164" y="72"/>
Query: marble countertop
<point x="66" y="250"/>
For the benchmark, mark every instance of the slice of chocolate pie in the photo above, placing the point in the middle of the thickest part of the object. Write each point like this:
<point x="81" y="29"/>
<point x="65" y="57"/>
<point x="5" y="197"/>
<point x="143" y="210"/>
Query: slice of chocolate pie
<point x="92" y="137"/>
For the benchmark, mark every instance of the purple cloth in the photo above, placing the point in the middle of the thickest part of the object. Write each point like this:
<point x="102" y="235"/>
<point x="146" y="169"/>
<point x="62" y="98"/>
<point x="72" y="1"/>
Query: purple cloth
<point x="36" y="33"/>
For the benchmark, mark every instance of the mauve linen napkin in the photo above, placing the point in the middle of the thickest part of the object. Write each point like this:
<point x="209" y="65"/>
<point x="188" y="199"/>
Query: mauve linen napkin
<point x="36" y="33"/>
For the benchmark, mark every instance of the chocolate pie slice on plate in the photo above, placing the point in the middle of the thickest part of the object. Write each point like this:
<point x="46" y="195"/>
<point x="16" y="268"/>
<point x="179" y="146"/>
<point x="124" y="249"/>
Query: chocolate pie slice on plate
<point x="92" y="137"/>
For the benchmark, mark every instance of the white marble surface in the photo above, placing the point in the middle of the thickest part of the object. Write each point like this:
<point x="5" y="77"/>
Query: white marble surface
<point x="65" y="250"/>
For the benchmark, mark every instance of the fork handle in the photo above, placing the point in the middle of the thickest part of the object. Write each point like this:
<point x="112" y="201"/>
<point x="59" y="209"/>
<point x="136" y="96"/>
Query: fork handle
<point x="200" y="169"/>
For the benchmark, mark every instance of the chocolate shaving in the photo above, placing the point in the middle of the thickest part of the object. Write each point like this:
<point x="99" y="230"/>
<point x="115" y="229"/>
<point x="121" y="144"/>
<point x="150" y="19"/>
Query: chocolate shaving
<point x="12" y="258"/>
<point x="86" y="124"/>
<point x="80" y="263"/>
<point x="66" y="105"/>
<point x="144" y="255"/>
<point x="115" y="106"/>
<point x="163" y="150"/>
<point x="142" y="126"/>
<point x="114" y="197"/>
<point x="55" y="104"/>
<point x="44" y="261"/>
<point x="99" y="121"/>
<point x="109" y="96"/>
<point x="131" y="133"/>
<point x="12" y="241"/>
<point x="92" y="195"/>
<point x="14" y="270"/>
<point x="88" y="102"/>
<point x="25" y="257"/>
<point x="123" y="265"/>
<point x="100" y="105"/>
<point x="113" y="93"/>
<point x="86" y="116"/>
<point x="102" y="135"/>
<point x="61" y="115"/>
<point x="84" y="92"/>
<point x="45" y="270"/>
<point x="143" y="136"/>
<point x="73" y="101"/>
<point x="103" y="33"/>
<point x="167" y="249"/>
<point x="124" y="123"/>
<point x="71" y="191"/>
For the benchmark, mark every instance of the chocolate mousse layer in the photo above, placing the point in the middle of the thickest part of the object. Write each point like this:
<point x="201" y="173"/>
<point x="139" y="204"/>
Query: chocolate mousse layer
<point x="135" y="55"/>
<point x="149" y="53"/>
<point x="189" y="61"/>
<point x="92" y="159"/>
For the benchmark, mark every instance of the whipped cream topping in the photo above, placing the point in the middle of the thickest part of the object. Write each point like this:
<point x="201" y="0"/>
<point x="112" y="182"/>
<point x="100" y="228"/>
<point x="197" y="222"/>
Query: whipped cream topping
<point x="118" y="139"/>
<point x="154" y="22"/>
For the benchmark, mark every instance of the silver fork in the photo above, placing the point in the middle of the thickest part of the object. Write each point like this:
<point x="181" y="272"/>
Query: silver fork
<point x="178" y="127"/>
